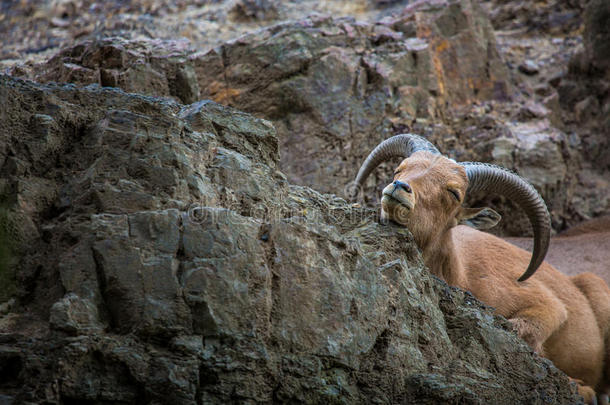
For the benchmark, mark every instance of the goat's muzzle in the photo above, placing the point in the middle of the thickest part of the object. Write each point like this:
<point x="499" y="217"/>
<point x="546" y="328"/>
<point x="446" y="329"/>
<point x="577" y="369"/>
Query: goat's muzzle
<point x="397" y="201"/>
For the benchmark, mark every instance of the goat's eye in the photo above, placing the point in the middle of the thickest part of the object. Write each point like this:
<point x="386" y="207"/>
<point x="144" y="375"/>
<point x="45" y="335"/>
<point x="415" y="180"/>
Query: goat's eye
<point x="455" y="193"/>
<point x="396" y="172"/>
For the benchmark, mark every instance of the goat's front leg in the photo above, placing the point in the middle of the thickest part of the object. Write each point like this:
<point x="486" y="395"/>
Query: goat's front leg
<point x="588" y="393"/>
<point x="535" y="323"/>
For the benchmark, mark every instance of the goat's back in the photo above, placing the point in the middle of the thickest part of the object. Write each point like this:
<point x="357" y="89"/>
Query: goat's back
<point x="584" y="248"/>
<point x="596" y="225"/>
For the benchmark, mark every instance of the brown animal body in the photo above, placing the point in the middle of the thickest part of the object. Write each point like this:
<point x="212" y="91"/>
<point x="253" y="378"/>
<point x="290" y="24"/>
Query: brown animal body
<point x="565" y="319"/>
<point x="583" y="248"/>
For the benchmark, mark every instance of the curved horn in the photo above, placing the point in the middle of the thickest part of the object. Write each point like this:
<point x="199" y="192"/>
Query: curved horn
<point x="495" y="179"/>
<point x="399" y="145"/>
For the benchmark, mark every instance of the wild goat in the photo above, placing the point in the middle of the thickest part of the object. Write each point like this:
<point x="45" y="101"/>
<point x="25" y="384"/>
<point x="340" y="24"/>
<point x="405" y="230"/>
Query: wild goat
<point x="566" y="319"/>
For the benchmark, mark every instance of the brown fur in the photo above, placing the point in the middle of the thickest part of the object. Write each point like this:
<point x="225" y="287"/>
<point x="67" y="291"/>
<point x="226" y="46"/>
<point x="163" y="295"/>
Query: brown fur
<point x="583" y="248"/>
<point x="597" y="225"/>
<point x="565" y="319"/>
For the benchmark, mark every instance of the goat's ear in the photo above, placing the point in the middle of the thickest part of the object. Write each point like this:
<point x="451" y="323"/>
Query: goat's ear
<point x="479" y="218"/>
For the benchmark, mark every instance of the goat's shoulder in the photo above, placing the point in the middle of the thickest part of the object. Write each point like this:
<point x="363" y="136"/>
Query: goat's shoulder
<point x="482" y="250"/>
<point x="484" y="255"/>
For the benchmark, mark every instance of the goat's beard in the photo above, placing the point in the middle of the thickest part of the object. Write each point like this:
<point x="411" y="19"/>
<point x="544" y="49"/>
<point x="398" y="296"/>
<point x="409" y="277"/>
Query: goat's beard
<point x="402" y="215"/>
<point x="395" y="212"/>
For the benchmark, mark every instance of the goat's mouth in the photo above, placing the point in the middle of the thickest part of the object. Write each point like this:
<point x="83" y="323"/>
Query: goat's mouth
<point x="395" y="209"/>
<point x="391" y="201"/>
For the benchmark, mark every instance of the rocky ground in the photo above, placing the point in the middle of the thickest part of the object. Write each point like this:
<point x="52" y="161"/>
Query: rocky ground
<point x="157" y="248"/>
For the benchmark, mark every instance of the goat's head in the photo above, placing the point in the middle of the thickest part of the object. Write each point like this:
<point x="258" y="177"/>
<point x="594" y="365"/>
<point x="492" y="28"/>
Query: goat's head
<point x="428" y="189"/>
<point x="426" y="196"/>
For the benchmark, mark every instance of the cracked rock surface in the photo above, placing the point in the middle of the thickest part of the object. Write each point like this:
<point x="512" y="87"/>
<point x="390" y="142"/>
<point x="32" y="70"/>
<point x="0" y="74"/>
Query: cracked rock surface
<point x="172" y="175"/>
<point x="169" y="261"/>
<point x="510" y="83"/>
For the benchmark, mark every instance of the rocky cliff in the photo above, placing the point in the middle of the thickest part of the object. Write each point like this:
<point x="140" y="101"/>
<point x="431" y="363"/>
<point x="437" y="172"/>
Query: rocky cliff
<point x="160" y="247"/>
<point x="529" y="94"/>
<point x="163" y="258"/>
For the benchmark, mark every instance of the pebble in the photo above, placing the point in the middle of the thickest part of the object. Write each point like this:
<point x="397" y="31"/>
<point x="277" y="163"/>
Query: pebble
<point x="529" y="68"/>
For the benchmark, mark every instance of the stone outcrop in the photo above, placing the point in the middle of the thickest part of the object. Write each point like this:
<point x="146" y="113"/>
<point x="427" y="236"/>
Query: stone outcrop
<point x="596" y="35"/>
<point x="154" y="248"/>
<point x="164" y="258"/>
<point x="335" y="87"/>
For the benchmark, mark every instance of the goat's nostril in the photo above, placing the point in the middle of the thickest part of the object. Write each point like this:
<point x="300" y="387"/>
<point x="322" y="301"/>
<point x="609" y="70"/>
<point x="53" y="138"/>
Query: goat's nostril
<point x="402" y="185"/>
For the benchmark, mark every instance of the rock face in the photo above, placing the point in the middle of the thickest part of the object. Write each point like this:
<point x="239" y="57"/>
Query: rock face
<point x="335" y="87"/>
<point x="164" y="258"/>
<point x="154" y="248"/>
<point x="597" y="34"/>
